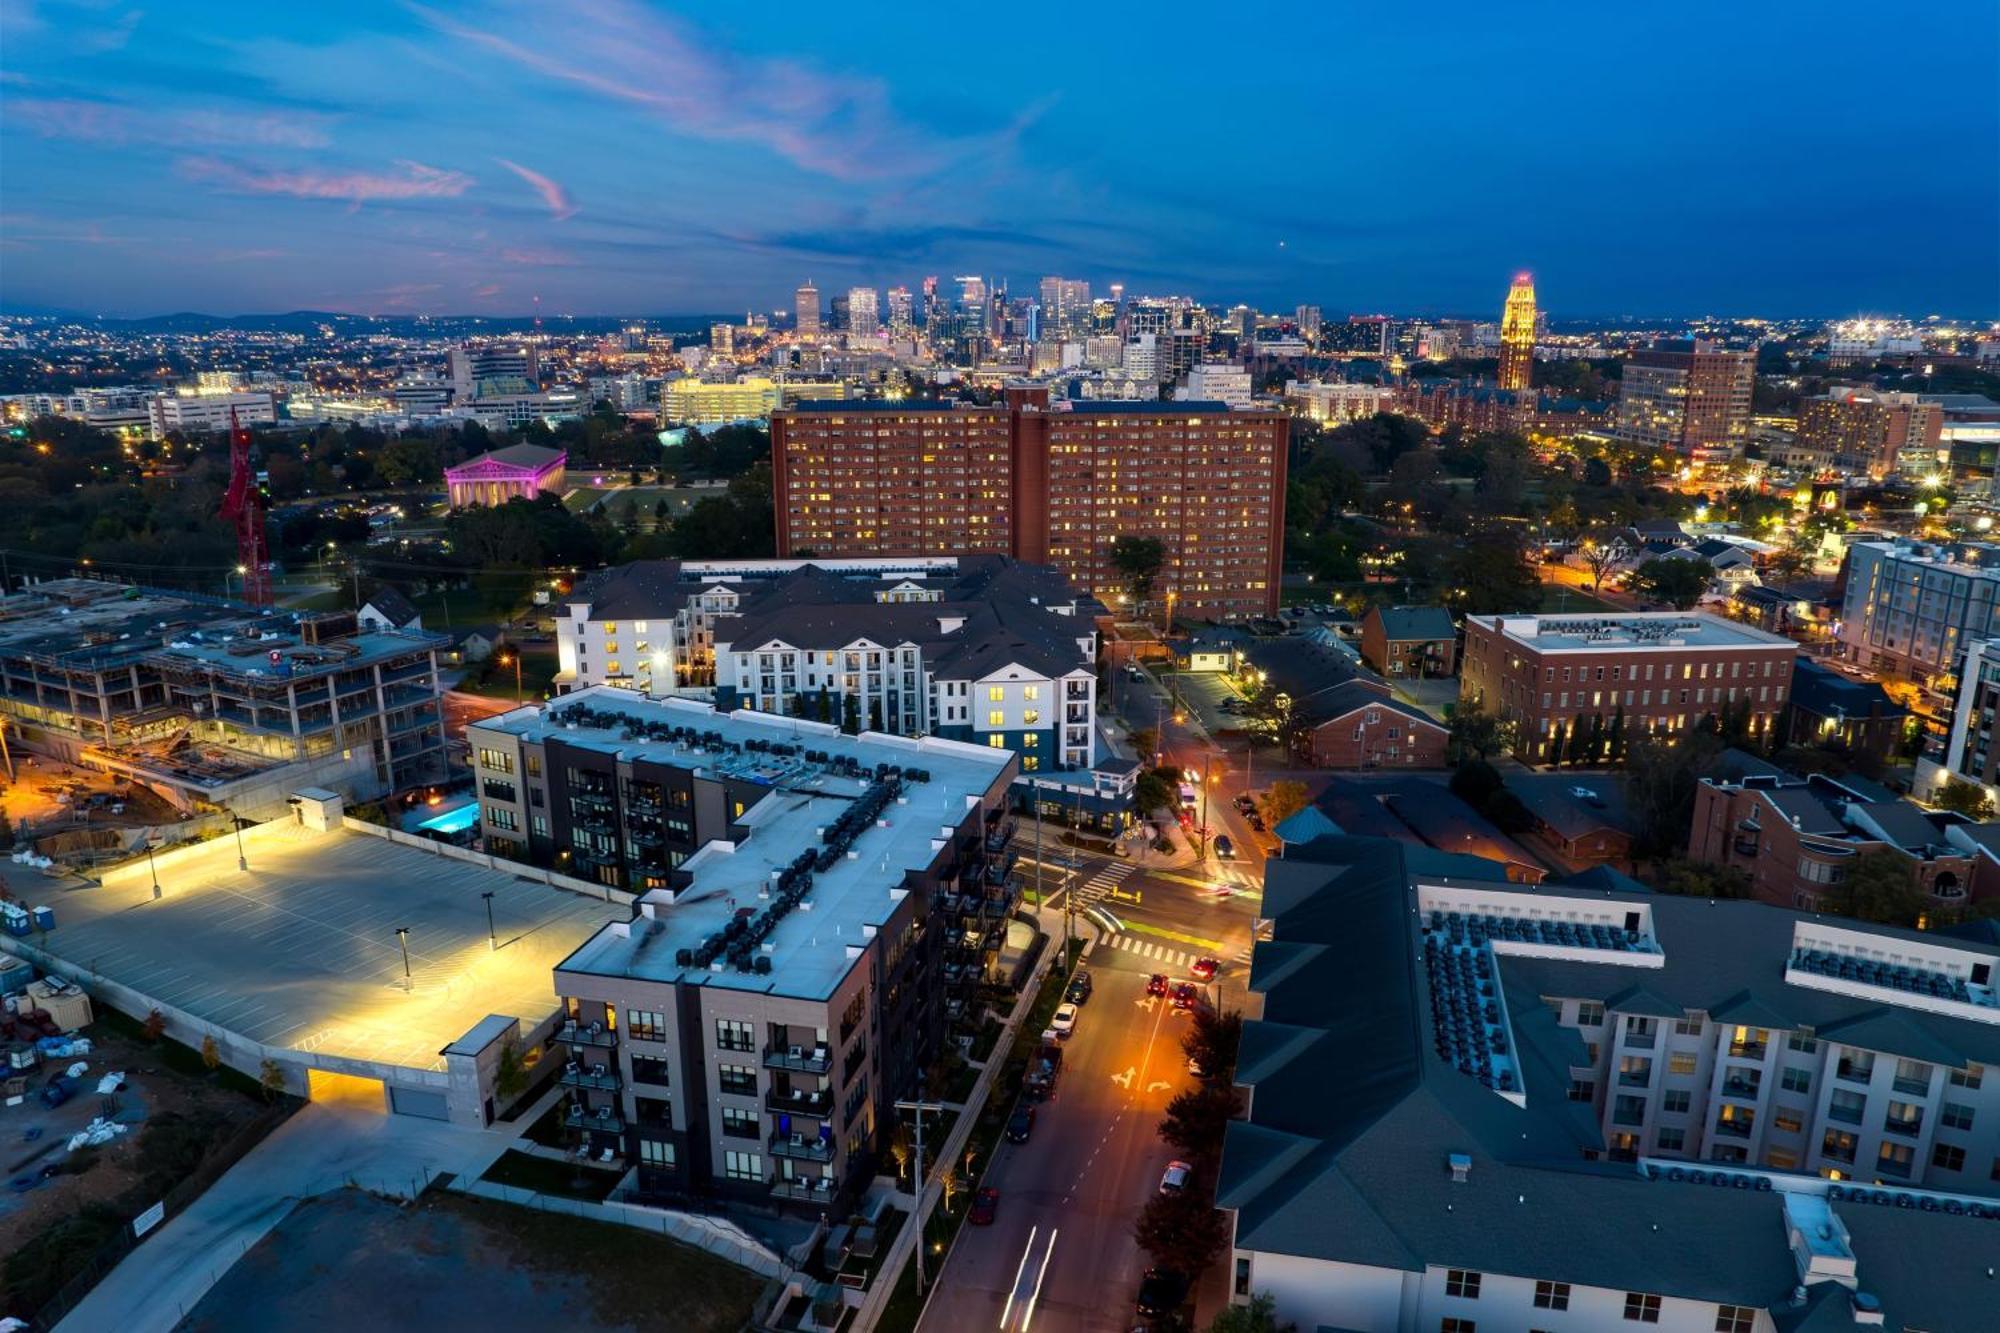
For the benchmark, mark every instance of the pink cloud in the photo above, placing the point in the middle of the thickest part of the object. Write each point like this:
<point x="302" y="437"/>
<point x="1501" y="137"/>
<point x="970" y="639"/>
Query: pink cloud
<point x="109" y="123"/>
<point x="535" y="258"/>
<point x="835" y="124"/>
<point x="416" y="181"/>
<point x="491" y="289"/>
<point x="553" y="194"/>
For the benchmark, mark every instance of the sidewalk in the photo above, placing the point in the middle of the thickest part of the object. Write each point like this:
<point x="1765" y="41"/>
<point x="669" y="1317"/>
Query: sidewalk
<point x="323" y="1147"/>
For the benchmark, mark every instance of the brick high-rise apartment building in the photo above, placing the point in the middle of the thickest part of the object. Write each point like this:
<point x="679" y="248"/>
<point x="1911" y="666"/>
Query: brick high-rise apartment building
<point x="1046" y="486"/>
<point x="1688" y="396"/>
<point x="1560" y="676"/>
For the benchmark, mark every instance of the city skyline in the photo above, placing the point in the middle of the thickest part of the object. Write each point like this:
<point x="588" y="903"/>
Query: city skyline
<point x="618" y="160"/>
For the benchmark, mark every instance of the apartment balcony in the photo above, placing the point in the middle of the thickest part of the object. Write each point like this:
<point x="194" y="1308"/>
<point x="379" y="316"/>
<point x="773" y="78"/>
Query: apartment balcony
<point x="1912" y="1087"/>
<point x="1642" y="1041"/>
<point x="799" y="1148"/>
<point x="1626" y="1080"/>
<point x="819" y="1189"/>
<point x="1846" y="1115"/>
<point x="1076" y="713"/>
<point x="1735" y="1129"/>
<point x="1740" y="1088"/>
<point x="596" y="1077"/>
<point x="587" y="1034"/>
<point x="817" y="1102"/>
<point x="999" y="835"/>
<point x="1747" y="1050"/>
<point x="593" y="822"/>
<point x="1850" y="1072"/>
<point x="1908" y="1126"/>
<point x="585" y="798"/>
<point x="799" y="1059"/>
<point x="603" y="1119"/>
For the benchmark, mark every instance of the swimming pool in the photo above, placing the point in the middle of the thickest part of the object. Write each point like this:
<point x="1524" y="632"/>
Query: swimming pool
<point x="455" y="820"/>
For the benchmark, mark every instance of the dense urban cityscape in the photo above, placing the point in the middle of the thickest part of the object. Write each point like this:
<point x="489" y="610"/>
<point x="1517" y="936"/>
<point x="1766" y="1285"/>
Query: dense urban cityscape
<point x="1126" y="768"/>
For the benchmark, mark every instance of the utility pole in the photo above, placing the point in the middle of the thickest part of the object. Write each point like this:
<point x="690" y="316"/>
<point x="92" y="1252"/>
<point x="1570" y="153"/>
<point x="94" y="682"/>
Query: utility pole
<point x="919" y="1108"/>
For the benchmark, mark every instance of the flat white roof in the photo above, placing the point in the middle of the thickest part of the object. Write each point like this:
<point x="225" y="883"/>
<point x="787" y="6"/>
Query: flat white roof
<point x="809" y="948"/>
<point x="1661" y="630"/>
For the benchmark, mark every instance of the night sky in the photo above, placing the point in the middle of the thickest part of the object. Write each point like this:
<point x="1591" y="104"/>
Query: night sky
<point x="1654" y="159"/>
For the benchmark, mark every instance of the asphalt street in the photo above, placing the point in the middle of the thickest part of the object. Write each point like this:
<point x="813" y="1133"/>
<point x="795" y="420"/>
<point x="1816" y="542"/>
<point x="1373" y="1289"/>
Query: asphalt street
<point x="1060" y="1255"/>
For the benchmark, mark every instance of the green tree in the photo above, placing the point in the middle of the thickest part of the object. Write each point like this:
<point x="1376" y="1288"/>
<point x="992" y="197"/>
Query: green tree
<point x="1211" y="1042"/>
<point x="1881" y="886"/>
<point x="1661" y="776"/>
<point x="1966" y="798"/>
<point x="1478" y="734"/>
<point x="1696" y="879"/>
<point x="271" y="1078"/>
<point x="1677" y="581"/>
<point x="510" y="1078"/>
<point x="1138" y="561"/>
<point x="1197" y="1118"/>
<point x="1283" y="799"/>
<point x="1599" y="559"/>
<point x="211" y="1054"/>
<point x="1614" y="739"/>
<point x="1182" y="1231"/>
<point x="1259" y="1315"/>
<point x="850" y="714"/>
<point x="1153" y="792"/>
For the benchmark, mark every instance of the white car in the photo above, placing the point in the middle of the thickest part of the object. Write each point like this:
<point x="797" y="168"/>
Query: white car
<point x="1175" y="1178"/>
<point x="1064" y="1022"/>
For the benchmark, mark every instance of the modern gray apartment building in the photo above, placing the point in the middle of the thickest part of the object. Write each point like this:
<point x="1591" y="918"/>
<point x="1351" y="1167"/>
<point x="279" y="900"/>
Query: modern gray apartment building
<point x="1578" y="1106"/>
<point x="811" y="907"/>
<point x="215" y="703"/>
<point x="1912" y="608"/>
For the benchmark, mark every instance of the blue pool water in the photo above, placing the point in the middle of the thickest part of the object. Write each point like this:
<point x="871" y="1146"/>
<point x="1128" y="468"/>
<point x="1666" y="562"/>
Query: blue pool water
<point x="456" y="820"/>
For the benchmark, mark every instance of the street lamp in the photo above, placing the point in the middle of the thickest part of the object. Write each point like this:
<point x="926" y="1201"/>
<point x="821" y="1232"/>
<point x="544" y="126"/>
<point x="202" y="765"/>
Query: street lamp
<point x="515" y="658"/>
<point x="153" y="866"/>
<point x="492" y="940"/>
<point x="240" y="571"/>
<point x="403" y="938"/>
<point x="242" y="861"/>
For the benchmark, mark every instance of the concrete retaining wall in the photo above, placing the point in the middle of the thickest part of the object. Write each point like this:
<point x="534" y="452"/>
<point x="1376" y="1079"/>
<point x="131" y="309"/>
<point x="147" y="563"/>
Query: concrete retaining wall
<point x="715" y="1235"/>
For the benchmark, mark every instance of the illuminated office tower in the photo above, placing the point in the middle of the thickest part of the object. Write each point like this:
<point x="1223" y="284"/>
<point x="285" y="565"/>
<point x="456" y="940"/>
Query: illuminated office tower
<point x="805" y="308"/>
<point x="862" y="321"/>
<point x="902" y="313"/>
<point x="1517" y="335"/>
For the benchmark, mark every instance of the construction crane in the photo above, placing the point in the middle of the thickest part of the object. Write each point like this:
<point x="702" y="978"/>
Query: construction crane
<point x="243" y="505"/>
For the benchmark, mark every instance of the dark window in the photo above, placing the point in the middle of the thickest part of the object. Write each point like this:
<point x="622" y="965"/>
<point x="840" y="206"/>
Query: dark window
<point x="1552" y="1295"/>
<point x="1460" y="1283"/>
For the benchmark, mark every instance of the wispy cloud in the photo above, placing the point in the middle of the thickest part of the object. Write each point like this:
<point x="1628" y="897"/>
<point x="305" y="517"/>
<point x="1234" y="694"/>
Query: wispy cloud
<point x="532" y="257"/>
<point x="114" y="36"/>
<point x="415" y="181"/>
<point x="836" y="124"/>
<point x="116" y="124"/>
<point x="558" y="199"/>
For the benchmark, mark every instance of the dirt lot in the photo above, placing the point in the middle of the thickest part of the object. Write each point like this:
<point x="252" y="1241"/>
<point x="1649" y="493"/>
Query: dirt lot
<point x="350" y="1260"/>
<point x="49" y="797"/>
<point x="165" y="1085"/>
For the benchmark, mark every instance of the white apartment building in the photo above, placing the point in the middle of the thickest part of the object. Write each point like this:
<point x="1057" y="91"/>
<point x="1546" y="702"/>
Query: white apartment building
<point x="1217" y="382"/>
<point x="203" y="411"/>
<point x="1336" y="403"/>
<point x="1475" y="1104"/>
<point x="976" y="649"/>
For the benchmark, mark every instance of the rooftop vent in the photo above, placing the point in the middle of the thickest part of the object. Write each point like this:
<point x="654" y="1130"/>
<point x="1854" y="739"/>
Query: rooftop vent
<point x="1461" y="1166"/>
<point x="1867" y="1309"/>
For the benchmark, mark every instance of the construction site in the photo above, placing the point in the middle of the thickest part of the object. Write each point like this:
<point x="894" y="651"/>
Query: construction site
<point x="214" y="704"/>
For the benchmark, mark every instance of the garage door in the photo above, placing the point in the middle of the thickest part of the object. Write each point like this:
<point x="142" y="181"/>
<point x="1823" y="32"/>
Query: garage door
<point x="324" y="1085"/>
<point x="417" y="1101"/>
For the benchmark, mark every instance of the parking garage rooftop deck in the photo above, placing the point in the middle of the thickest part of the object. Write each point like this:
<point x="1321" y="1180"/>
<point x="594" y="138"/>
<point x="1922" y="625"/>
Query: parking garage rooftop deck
<point x="301" y="952"/>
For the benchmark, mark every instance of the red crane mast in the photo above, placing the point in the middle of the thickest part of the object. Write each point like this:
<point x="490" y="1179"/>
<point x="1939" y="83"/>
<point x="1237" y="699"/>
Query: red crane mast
<point x="243" y="505"/>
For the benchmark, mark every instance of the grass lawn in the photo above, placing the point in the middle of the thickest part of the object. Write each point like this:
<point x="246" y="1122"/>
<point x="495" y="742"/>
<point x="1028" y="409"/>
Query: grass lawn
<point x="538" y="673"/>
<point x="1556" y="597"/>
<point x="544" y="1176"/>
<point x="464" y="608"/>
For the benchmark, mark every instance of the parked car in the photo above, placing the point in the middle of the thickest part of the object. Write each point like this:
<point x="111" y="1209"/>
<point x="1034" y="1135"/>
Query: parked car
<point x="985" y="1204"/>
<point x="1175" y="1178"/>
<point x="1246" y="802"/>
<point x="1162" y="1292"/>
<point x="1156" y="984"/>
<point x="1020" y="1125"/>
<point x="1064" y="1022"/>
<point x="1225" y="850"/>
<point x="1204" y="969"/>
<point x="1256" y="821"/>
<point x="1185" y="996"/>
<point x="1079" y="989"/>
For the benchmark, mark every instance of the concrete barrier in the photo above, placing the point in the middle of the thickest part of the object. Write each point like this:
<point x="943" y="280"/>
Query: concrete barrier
<point x="714" y="1235"/>
<point x="518" y="869"/>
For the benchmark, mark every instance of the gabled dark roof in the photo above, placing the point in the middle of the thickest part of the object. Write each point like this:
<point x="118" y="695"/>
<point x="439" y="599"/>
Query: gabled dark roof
<point x="1352" y="696"/>
<point x="393" y="606"/>
<point x="1354" y="1119"/>
<point x="1404" y="623"/>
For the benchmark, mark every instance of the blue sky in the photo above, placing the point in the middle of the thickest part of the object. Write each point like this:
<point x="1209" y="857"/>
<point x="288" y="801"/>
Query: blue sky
<point x="614" y="156"/>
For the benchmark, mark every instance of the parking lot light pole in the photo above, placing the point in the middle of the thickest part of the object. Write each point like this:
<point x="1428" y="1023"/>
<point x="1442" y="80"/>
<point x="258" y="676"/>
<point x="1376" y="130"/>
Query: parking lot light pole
<point x="403" y="938"/>
<point x="492" y="940"/>
<point x="242" y="861"/>
<point x="153" y="866"/>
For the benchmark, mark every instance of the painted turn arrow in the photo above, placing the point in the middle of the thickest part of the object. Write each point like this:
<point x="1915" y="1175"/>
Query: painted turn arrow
<point x="1124" y="1080"/>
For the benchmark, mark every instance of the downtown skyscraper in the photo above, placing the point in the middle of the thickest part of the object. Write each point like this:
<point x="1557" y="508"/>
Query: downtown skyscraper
<point x="805" y="308"/>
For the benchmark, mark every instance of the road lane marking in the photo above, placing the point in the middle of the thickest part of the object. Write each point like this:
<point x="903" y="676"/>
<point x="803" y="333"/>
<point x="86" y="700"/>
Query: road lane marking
<point x="1028" y="1315"/>
<point x="1176" y="936"/>
<point x="1124" y="1080"/>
